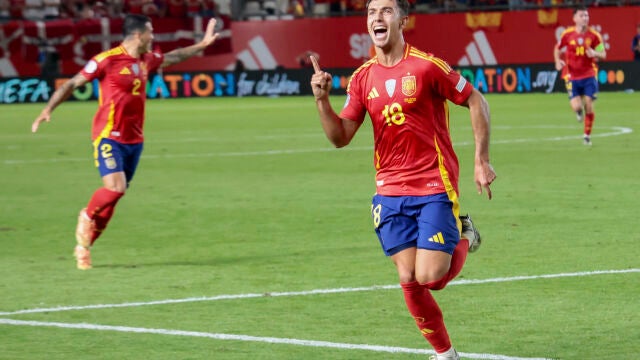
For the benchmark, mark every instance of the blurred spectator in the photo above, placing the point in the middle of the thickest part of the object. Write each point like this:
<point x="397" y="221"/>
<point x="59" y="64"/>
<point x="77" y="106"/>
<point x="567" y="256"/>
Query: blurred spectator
<point x="270" y="7"/>
<point x="223" y="7"/>
<point x="194" y="7"/>
<point x="298" y="8"/>
<point x="100" y="9"/>
<point x="33" y="10"/>
<point x="356" y="5"/>
<point x="209" y="8"/>
<point x="5" y="10"/>
<point x="133" y="6"/>
<point x="115" y="8"/>
<point x="51" y="9"/>
<point x="71" y="8"/>
<point x="321" y="7"/>
<point x="176" y="8"/>
<point x="337" y="7"/>
<point x="307" y="5"/>
<point x="86" y="12"/>
<point x="154" y="8"/>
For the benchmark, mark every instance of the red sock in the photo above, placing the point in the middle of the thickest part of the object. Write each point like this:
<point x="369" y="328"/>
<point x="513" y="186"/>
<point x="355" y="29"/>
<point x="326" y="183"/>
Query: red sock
<point x="588" y="122"/>
<point x="427" y="314"/>
<point x="457" y="262"/>
<point x="101" y="220"/>
<point x="101" y="207"/>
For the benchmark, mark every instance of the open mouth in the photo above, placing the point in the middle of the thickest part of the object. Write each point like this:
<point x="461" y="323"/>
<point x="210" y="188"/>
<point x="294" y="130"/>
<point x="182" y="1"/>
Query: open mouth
<point x="379" y="32"/>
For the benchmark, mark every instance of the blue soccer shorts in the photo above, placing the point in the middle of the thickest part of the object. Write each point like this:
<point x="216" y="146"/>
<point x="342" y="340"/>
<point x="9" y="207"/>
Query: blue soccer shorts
<point x="584" y="87"/>
<point x="111" y="157"/>
<point x="426" y="222"/>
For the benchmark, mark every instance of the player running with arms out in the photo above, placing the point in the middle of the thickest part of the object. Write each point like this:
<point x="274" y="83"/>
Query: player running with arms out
<point x="415" y="209"/>
<point x="584" y="47"/>
<point x="118" y="123"/>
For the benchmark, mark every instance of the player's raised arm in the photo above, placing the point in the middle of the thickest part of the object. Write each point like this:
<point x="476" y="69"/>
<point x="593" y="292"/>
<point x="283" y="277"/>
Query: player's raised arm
<point x="339" y="131"/>
<point x="58" y="96"/>
<point x="178" y="55"/>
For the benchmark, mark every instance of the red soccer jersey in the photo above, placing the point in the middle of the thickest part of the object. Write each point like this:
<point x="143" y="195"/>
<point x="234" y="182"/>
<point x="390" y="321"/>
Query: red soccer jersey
<point x="407" y="103"/>
<point x="579" y="65"/>
<point x="123" y="81"/>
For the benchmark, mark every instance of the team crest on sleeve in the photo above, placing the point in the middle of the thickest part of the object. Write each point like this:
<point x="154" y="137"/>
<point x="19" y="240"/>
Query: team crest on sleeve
<point x="409" y="85"/>
<point x="390" y="86"/>
<point x="91" y="67"/>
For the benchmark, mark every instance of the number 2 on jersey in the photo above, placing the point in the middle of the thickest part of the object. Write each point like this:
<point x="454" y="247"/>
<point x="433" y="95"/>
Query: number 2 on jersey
<point x="136" y="87"/>
<point x="105" y="149"/>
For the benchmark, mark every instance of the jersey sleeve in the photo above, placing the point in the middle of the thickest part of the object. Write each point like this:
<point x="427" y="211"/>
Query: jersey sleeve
<point x="154" y="60"/>
<point x="448" y="83"/>
<point x="94" y="69"/>
<point x="562" y="42"/>
<point x="354" y="109"/>
<point x="597" y="44"/>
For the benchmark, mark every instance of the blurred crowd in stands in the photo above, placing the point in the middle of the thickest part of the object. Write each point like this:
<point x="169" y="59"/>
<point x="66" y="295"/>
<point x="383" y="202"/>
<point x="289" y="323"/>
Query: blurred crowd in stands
<point x="255" y="9"/>
<point x="37" y="10"/>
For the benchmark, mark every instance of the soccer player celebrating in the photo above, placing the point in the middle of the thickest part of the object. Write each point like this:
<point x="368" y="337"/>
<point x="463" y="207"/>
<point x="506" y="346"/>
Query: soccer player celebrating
<point x="117" y="125"/>
<point x="415" y="209"/>
<point x="584" y="46"/>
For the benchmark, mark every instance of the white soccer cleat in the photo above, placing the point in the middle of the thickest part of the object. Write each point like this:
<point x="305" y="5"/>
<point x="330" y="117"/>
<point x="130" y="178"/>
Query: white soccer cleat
<point x="455" y="356"/>
<point x="470" y="232"/>
<point x="83" y="257"/>
<point x="85" y="228"/>
<point x="586" y="140"/>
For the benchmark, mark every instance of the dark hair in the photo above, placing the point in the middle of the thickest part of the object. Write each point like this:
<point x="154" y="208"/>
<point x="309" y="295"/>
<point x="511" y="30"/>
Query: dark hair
<point x="133" y="23"/>
<point x="580" y="8"/>
<point x="403" y="5"/>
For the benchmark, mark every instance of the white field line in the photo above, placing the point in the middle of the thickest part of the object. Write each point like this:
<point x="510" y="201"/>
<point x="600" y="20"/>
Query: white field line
<point x="270" y="340"/>
<point x="615" y="131"/>
<point x="310" y="292"/>
<point x="286" y="341"/>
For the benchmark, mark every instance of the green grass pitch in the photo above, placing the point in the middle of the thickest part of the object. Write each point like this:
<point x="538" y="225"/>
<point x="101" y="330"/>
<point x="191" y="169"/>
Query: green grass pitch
<point x="241" y="213"/>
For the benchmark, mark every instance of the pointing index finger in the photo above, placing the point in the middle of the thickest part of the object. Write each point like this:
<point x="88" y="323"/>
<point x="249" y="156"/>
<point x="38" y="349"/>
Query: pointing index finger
<point x="316" y="66"/>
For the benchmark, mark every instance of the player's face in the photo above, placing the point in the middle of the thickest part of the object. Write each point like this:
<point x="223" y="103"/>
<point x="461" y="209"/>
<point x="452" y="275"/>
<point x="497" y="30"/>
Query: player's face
<point x="146" y="39"/>
<point x="581" y="18"/>
<point x="384" y="22"/>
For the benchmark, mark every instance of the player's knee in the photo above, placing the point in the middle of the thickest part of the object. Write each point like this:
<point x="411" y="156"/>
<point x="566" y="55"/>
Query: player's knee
<point x="406" y="276"/>
<point x="431" y="275"/>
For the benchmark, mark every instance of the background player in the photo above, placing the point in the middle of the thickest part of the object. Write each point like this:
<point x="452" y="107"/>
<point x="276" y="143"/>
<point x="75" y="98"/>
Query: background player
<point x="415" y="210"/>
<point x="584" y="46"/>
<point x="118" y="123"/>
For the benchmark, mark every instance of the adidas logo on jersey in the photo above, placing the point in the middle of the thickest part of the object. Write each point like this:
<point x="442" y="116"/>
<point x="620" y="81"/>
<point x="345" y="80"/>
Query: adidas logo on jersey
<point x="125" y="71"/>
<point x="373" y="94"/>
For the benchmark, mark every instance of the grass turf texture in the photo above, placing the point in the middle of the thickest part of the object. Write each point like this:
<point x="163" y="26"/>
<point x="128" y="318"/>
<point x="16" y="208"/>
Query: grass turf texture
<point x="246" y="196"/>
